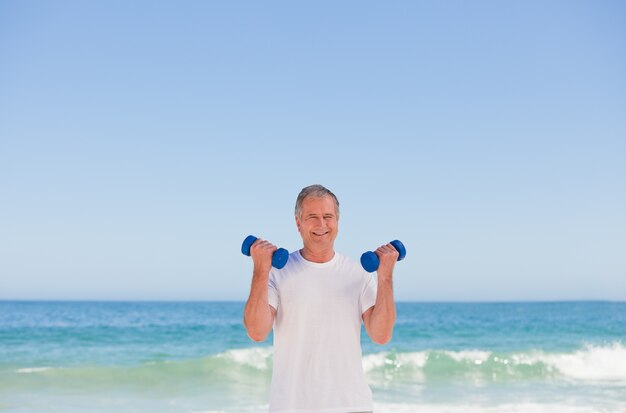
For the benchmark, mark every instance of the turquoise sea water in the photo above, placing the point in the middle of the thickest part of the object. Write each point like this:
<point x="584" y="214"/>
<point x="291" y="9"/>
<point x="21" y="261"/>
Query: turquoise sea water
<point x="196" y="357"/>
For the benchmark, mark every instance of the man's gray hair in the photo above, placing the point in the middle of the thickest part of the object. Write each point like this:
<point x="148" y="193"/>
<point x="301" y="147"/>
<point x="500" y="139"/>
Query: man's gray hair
<point x="315" y="191"/>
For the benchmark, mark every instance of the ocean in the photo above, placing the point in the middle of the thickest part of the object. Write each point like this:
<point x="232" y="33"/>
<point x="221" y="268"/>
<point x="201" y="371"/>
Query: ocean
<point x="552" y="357"/>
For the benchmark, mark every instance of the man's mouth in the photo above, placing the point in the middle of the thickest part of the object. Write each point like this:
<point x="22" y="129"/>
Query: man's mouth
<point x="321" y="234"/>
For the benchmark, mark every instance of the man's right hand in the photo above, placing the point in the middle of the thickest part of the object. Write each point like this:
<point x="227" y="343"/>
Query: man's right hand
<point x="261" y="252"/>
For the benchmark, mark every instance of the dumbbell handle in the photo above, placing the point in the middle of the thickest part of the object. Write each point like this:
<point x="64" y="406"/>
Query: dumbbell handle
<point x="279" y="258"/>
<point x="370" y="261"/>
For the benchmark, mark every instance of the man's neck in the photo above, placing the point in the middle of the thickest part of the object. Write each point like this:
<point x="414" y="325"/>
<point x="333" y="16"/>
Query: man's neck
<point x="318" y="256"/>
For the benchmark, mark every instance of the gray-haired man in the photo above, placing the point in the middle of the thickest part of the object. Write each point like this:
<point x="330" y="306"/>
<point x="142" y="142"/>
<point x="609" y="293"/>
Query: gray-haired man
<point x="316" y="304"/>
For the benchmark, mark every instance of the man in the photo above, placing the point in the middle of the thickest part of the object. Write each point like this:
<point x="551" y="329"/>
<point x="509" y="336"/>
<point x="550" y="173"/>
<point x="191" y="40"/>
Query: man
<point x="316" y="304"/>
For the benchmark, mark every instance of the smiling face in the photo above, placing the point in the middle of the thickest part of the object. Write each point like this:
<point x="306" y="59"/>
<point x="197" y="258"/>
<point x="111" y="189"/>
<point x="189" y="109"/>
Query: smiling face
<point x="318" y="224"/>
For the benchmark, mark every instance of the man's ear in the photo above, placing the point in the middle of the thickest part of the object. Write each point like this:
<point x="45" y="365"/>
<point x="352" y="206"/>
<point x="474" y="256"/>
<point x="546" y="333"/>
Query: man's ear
<point x="297" y="223"/>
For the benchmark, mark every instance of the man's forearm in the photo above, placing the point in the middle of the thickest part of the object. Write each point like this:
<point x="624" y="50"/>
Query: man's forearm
<point x="257" y="316"/>
<point x="383" y="316"/>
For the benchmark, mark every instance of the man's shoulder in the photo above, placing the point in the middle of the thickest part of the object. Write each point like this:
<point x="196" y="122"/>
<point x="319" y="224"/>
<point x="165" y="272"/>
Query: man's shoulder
<point x="294" y="264"/>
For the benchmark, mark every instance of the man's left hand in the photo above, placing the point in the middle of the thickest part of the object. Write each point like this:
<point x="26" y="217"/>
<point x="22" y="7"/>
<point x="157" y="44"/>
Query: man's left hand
<point x="388" y="256"/>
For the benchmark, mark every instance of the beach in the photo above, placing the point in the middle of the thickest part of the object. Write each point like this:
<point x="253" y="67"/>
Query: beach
<point x="196" y="357"/>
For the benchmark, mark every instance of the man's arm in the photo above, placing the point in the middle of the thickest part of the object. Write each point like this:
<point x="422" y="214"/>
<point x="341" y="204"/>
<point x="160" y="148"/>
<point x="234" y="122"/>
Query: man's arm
<point x="258" y="317"/>
<point x="380" y="319"/>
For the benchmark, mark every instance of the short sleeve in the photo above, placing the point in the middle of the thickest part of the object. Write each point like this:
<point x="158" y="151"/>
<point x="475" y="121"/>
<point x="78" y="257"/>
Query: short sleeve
<point x="272" y="292"/>
<point x="368" y="295"/>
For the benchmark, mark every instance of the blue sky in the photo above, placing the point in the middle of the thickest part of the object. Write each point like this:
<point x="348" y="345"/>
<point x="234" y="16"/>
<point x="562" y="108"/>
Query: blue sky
<point x="140" y="143"/>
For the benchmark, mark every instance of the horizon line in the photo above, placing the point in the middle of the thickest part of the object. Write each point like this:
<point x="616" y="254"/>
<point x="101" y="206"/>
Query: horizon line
<point x="469" y="301"/>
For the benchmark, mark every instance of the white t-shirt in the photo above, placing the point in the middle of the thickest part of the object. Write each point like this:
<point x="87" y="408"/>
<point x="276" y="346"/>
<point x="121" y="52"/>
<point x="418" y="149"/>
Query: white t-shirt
<point x="317" y="336"/>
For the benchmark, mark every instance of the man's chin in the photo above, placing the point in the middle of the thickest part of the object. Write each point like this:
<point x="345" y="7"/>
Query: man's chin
<point x="324" y="242"/>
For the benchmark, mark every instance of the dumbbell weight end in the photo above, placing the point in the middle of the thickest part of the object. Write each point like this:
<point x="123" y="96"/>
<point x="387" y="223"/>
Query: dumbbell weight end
<point x="370" y="261"/>
<point x="279" y="258"/>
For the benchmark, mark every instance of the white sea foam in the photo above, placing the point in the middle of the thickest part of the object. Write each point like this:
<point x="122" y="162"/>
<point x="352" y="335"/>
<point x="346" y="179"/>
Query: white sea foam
<point x="258" y="357"/>
<point x="397" y="360"/>
<point x="33" y="370"/>
<point x="595" y="363"/>
<point x="591" y="363"/>
<point x="472" y="356"/>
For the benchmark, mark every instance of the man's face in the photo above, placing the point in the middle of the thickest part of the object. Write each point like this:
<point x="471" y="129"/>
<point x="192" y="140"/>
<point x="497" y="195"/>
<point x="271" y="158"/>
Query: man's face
<point x="319" y="222"/>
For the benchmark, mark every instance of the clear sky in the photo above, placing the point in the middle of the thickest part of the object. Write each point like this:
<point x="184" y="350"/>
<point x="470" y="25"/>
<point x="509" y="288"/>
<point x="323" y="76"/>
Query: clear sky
<point x="140" y="142"/>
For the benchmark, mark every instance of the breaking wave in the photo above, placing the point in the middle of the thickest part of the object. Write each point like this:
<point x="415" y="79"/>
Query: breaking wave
<point x="592" y="363"/>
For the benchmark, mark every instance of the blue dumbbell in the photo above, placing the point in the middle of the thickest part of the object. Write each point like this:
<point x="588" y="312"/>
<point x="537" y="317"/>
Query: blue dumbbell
<point x="369" y="259"/>
<point x="279" y="258"/>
